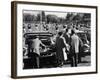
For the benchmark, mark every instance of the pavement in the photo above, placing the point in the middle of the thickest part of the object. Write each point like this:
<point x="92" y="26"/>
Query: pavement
<point x="86" y="61"/>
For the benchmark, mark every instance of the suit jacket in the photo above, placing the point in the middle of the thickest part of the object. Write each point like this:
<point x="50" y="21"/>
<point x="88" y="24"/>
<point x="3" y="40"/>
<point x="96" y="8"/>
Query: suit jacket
<point x="74" y="43"/>
<point x="67" y="38"/>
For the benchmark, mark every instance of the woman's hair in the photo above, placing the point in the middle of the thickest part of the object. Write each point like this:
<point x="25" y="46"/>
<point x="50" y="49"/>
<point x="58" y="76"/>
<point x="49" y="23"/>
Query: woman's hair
<point x="72" y="31"/>
<point x="66" y="30"/>
<point x="29" y="26"/>
<point x="60" y="33"/>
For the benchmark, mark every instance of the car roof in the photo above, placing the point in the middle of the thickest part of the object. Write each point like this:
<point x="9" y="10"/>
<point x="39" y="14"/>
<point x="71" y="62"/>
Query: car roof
<point x="38" y="33"/>
<point x="80" y="32"/>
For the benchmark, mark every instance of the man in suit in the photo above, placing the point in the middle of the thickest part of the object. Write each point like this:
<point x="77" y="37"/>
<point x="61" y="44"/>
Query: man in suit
<point x="67" y="37"/>
<point x="74" y="50"/>
<point x="35" y="46"/>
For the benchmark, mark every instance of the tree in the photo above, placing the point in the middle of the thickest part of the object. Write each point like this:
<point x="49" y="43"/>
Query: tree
<point x="69" y="16"/>
<point x="52" y="18"/>
<point x="38" y="17"/>
<point x="43" y="16"/>
<point x="77" y="17"/>
<point x="29" y="18"/>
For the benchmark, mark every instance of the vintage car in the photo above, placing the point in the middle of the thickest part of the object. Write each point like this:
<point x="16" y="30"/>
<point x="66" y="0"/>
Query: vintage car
<point x="47" y="55"/>
<point x="85" y="37"/>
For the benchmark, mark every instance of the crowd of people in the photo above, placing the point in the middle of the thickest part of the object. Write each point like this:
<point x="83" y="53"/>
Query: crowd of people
<point x="67" y="47"/>
<point x="49" y="27"/>
<point x="68" y="44"/>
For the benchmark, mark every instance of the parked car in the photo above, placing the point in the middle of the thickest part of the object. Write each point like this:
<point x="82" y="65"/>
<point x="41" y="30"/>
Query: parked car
<point x="85" y="37"/>
<point x="47" y="56"/>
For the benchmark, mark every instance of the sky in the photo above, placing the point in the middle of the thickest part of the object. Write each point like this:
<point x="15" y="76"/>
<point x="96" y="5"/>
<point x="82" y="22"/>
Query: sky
<point x="59" y="14"/>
